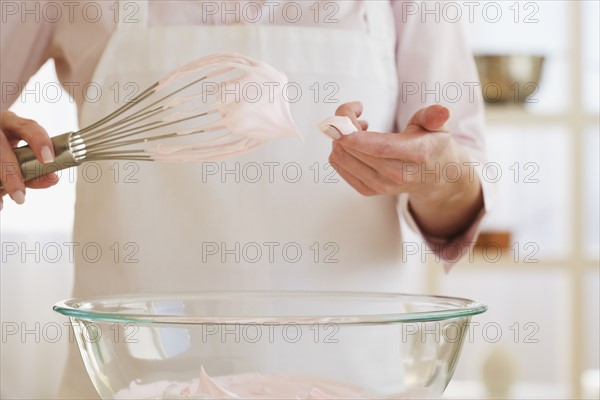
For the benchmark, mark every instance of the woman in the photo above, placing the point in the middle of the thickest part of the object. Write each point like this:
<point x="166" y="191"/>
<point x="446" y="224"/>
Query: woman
<point x="190" y="225"/>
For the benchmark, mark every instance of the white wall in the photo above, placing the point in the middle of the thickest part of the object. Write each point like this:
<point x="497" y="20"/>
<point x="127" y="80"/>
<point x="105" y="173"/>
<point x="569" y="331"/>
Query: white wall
<point x="36" y="269"/>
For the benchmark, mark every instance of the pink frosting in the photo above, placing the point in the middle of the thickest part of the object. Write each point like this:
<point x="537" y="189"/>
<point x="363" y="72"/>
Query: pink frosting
<point x="246" y="386"/>
<point x="343" y="125"/>
<point x="258" y="386"/>
<point x="247" y="103"/>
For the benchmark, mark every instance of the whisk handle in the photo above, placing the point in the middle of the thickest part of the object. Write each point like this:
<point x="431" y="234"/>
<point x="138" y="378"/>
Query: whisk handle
<point x="31" y="168"/>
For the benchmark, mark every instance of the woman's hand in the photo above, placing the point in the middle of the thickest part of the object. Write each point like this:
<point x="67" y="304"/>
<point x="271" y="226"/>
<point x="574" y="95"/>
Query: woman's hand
<point x="423" y="160"/>
<point x="12" y="130"/>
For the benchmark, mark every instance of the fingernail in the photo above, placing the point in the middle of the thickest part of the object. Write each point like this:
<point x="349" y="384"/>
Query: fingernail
<point x="18" y="197"/>
<point x="332" y="133"/>
<point x="47" y="156"/>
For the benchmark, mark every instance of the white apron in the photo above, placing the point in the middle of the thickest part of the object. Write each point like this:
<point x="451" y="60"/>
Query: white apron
<point x="278" y="218"/>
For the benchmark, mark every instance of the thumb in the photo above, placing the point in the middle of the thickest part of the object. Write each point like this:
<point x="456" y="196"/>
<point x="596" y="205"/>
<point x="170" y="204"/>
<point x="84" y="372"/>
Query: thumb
<point x="432" y="118"/>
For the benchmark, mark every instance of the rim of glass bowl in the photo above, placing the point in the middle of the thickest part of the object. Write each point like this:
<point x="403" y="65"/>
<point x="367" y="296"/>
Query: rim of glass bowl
<point x="455" y="307"/>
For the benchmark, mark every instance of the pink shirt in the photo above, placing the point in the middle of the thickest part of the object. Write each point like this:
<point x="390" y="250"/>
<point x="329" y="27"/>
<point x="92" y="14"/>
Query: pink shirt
<point x="429" y="56"/>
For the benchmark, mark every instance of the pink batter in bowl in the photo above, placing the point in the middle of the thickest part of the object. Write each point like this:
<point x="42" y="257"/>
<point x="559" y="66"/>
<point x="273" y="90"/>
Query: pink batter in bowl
<point x="278" y="345"/>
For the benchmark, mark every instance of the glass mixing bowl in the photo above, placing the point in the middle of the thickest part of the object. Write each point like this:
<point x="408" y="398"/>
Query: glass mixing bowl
<point x="315" y="345"/>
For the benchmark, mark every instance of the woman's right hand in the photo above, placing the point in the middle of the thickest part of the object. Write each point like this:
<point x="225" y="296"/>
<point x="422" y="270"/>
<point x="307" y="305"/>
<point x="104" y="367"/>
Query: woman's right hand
<point x="12" y="130"/>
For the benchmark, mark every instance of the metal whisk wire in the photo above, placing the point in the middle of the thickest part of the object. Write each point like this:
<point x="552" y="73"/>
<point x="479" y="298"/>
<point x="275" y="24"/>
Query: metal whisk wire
<point x="96" y="141"/>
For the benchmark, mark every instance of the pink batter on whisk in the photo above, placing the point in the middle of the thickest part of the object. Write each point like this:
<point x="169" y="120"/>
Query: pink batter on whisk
<point x="341" y="125"/>
<point x="251" y="106"/>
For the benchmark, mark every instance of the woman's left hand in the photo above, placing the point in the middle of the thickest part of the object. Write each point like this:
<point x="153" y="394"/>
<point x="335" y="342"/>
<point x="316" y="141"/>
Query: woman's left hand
<point x="423" y="160"/>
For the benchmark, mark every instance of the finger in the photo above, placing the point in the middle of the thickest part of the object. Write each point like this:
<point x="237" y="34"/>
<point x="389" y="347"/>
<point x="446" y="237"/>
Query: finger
<point x="17" y="128"/>
<point x="10" y="173"/>
<point x="383" y="145"/>
<point x="43" y="182"/>
<point x="432" y="118"/>
<point x="351" y="164"/>
<point x="365" y="173"/>
<point x="352" y="110"/>
<point x="364" y="125"/>
<point x="356" y="183"/>
<point x="396" y="171"/>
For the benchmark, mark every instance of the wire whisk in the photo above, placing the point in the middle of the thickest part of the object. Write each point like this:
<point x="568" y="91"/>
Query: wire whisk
<point x="214" y="107"/>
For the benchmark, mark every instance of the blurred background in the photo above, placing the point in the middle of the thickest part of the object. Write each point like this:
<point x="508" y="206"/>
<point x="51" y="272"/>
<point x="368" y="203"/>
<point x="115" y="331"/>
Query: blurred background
<point x="536" y="266"/>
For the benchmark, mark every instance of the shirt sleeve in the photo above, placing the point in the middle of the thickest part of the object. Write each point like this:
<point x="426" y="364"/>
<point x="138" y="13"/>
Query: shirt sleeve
<point x="24" y="46"/>
<point x="436" y="66"/>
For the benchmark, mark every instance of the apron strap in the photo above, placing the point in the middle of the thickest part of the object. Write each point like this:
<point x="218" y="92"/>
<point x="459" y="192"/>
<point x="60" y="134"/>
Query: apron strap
<point x="380" y="19"/>
<point x="133" y="15"/>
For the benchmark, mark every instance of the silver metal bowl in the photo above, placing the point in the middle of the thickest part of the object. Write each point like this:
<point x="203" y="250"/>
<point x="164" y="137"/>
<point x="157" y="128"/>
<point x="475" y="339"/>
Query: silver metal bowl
<point x="509" y="78"/>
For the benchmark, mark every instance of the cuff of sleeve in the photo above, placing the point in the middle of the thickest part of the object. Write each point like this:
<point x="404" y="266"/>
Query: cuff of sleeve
<point x="450" y="251"/>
